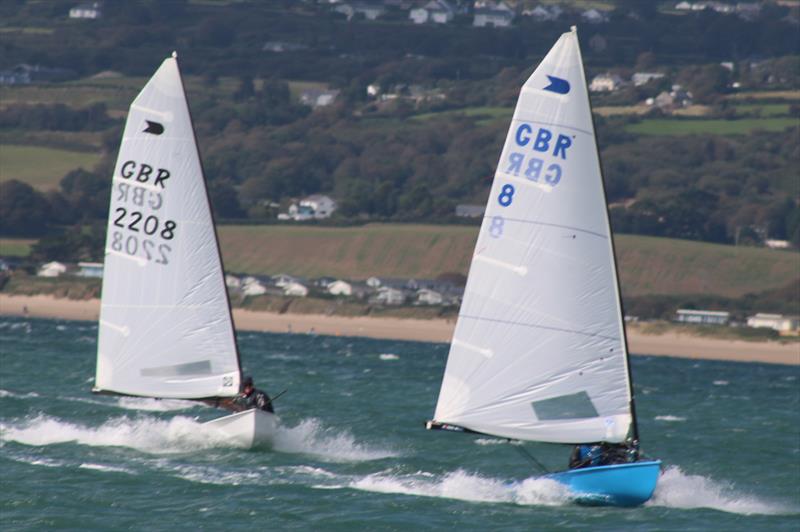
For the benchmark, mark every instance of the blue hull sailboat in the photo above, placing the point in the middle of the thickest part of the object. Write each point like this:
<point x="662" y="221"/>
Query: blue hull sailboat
<point x="539" y="352"/>
<point x="616" y="485"/>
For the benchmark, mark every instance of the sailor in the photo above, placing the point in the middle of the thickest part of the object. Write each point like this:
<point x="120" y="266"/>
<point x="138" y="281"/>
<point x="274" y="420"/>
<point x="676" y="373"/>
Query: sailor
<point x="596" y="454"/>
<point x="586" y="455"/>
<point x="250" y="397"/>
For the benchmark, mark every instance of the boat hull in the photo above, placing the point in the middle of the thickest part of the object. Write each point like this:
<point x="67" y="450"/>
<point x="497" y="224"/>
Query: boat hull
<point x="246" y="429"/>
<point x="615" y="485"/>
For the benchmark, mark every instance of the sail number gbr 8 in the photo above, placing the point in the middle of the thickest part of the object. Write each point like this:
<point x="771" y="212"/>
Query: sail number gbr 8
<point x="137" y="229"/>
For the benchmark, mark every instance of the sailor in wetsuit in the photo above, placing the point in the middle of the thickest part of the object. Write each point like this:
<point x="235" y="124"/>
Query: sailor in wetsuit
<point x="596" y="454"/>
<point x="250" y="397"/>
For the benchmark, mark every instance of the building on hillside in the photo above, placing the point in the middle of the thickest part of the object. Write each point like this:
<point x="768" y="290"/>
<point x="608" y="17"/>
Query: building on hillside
<point x="318" y="97"/>
<point x="340" y="288"/>
<point x="777" y="244"/>
<point x="543" y="13"/>
<point x="703" y="317"/>
<point x="24" y="74"/>
<point x="51" y="269"/>
<point x="370" y="11"/>
<point x="606" y="83"/>
<point x="295" y="289"/>
<point x="498" y="15"/>
<point x="779" y="322"/>
<point x="231" y="281"/>
<point x="642" y="78"/>
<point x="593" y="16"/>
<point x="90" y="269"/>
<point x="426" y="296"/>
<point x="435" y="12"/>
<point x="91" y="11"/>
<point x="470" y="211"/>
<point x="388" y="296"/>
<point x="321" y="206"/>
<point x="283" y="279"/>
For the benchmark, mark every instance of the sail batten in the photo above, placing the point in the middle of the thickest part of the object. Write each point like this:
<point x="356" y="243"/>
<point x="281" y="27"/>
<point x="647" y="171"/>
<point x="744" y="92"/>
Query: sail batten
<point x="165" y="323"/>
<point x="542" y="294"/>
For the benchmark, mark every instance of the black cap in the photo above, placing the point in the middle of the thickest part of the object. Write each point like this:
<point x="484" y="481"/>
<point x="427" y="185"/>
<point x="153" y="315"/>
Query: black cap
<point x="248" y="381"/>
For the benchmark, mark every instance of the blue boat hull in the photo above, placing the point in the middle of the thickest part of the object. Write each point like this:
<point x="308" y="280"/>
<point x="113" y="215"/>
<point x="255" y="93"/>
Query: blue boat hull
<point x="617" y="485"/>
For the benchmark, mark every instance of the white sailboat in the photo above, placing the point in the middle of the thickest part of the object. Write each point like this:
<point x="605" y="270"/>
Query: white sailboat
<point x="539" y="350"/>
<point x="165" y="321"/>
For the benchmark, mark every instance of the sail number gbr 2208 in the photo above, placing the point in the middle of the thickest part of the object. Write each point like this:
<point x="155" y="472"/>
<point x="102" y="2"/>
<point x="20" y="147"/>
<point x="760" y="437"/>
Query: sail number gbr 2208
<point x="139" y="230"/>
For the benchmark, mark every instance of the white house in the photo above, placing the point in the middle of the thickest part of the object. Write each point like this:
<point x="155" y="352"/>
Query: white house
<point x="370" y="11"/>
<point x="705" y="317"/>
<point x="295" y="289"/>
<point x="427" y="296"/>
<point x="298" y="213"/>
<point x="254" y="289"/>
<point x="435" y="11"/>
<point x="777" y="244"/>
<point x="283" y="279"/>
<point x="321" y="206"/>
<point x="593" y="16"/>
<point x="340" y="288"/>
<point x="389" y="296"/>
<point x="231" y="281"/>
<point x="90" y="11"/>
<point x="499" y="15"/>
<point x="90" y="269"/>
<point x="778" y="322"/>
<point x="51" y="269"/>
<point x="605" y="83"/>
<point x="318" y="97"/>
<point x="641" y="78"/>
<point x="543" y="13"/>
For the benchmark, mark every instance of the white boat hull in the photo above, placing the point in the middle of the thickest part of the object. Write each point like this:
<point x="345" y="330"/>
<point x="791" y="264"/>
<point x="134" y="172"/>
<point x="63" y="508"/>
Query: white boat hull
<point x="246" y="429"/>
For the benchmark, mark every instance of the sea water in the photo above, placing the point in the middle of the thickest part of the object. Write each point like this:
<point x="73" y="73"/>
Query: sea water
<point x="352" y="453"/>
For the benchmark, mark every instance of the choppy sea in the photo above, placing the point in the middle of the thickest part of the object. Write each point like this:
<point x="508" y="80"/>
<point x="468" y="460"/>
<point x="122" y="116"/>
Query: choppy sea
<point x="352" y="453"/>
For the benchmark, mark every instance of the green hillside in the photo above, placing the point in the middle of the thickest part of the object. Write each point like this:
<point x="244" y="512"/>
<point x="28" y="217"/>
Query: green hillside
<point x="648" y="265"/>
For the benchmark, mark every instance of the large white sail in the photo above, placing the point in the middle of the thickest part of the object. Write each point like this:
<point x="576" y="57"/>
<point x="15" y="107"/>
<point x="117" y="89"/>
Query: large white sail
<point x="538" y="352"/>
<point x="165" y="323"/>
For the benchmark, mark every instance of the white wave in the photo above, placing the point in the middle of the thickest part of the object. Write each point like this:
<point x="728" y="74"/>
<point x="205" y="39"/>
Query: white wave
<point x="7" y="393"/>
<point x="311" y="437"/>
<point x="468" y="487"/>
<point x="106" y="468"/>
<point x="156" y="436"/>
<point x="720" y="383"/>
<point x="213" y="475"/>
<point x="389" y="356"/>
<point x="677" y="489"/>
<point x="670" y="418"/>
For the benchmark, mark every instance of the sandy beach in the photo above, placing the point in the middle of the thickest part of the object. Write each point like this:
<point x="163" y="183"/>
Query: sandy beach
<point x="667" y="344"/>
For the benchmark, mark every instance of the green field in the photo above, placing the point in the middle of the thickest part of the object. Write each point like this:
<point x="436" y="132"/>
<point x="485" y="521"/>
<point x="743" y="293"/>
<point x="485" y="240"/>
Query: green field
<point x="663" y="126"/>
<point x="42" y="167"/>
<point x="648" y="265"/>
<point x="764" y="109"/>
<point x="483" y="114"/>
<point x="15" y="247"/>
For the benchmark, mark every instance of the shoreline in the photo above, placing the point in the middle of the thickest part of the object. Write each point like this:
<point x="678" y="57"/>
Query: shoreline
<point x="439" y="330"/>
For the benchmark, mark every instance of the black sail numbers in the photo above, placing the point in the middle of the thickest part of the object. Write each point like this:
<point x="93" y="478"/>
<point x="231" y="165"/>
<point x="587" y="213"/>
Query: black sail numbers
<point x="139" y="227"/>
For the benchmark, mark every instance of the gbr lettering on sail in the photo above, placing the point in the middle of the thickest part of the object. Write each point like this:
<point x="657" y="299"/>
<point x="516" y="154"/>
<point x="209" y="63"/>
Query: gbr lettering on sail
<point x="139" y="228"/>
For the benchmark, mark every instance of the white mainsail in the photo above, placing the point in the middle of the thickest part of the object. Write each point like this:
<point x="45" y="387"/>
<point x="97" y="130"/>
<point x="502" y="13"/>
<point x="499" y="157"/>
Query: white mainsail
<point x="538" y="352"/>
<point x="165" y="323"/>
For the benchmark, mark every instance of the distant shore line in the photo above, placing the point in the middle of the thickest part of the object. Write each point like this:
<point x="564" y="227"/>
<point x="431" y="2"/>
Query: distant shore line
<point x="435" y="330"/>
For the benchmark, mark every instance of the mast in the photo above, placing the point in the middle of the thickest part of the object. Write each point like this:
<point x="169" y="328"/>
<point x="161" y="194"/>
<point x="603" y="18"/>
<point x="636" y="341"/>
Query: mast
<point x="213" y="218"/>
<point x="634" y="422"/>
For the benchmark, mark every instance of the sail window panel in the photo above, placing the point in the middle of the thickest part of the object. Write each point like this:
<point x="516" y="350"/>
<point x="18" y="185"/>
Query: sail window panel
<point x="572" y="406"/>
<point x="202" y="367"/>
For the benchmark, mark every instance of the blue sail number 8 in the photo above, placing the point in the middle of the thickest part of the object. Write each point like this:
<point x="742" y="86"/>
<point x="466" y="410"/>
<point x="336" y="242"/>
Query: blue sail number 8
<point x="506" y="195"/>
